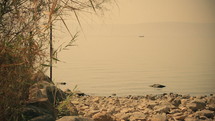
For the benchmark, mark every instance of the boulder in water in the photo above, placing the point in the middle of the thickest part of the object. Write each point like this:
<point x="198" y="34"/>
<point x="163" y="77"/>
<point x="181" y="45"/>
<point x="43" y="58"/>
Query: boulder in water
<point x="157" y="86"/>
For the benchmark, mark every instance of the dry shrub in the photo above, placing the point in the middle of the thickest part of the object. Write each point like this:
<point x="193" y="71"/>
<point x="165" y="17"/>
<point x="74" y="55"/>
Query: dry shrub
<point x="20" y="50"/>
<point x="24" y="41"/>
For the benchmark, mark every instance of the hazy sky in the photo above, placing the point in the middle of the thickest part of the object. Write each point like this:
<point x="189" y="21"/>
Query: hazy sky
<point x="140" y="11"/>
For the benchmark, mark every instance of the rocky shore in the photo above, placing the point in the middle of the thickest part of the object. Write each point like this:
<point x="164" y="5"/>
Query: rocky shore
<point x="49" y="103"/>
<point x="165" y="107"/>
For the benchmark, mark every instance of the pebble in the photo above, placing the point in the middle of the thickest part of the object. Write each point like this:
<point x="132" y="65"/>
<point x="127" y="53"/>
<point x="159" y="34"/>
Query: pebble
<point x="143" y="108"/>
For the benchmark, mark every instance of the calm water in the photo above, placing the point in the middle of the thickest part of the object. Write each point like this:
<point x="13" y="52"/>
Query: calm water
<point x="114" y="59"/>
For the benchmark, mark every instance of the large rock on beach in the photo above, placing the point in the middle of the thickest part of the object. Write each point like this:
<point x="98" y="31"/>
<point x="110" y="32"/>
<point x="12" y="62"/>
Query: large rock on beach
<point x="44" y="89"/>
<point x="34" y="113"/>
<point x="43" y="104"/>
<point x="43" y="95"/>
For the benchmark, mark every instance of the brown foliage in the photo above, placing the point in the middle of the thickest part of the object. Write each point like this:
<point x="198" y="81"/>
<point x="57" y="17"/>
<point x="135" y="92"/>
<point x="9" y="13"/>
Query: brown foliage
<point x="24" y="40"/>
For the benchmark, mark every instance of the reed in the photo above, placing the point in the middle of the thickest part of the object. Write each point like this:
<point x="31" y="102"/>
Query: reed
<point x="25" y="29"/>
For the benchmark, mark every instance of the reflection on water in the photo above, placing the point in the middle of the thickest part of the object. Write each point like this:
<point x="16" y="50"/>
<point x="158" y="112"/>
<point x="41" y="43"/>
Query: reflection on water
<point x="114" y="59"/>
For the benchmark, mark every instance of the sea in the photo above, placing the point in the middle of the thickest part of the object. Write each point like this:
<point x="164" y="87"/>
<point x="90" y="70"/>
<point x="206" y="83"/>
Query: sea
<point x="125" y="59"/>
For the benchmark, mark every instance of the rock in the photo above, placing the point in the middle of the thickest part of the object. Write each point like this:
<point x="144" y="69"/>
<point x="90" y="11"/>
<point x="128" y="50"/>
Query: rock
<point x="199" y="102"/>
<point x="151" y="105"/>
<point x="112" y="110"/>
<point x="54" y="94"/>
<point x="159" y="117"/>
<point x="123" y="116"/>
<point x="91" y="113"/>
<point x="103" y="116"/>
<point x="68" y="92"/>
<point x="80" y="93"/>
<point x="184" y="102"/>
<point x="84" y="107"/>
<point x="179" y="116"/>
<point x="207" y="113"/>
<point x="96" y="100"/>
<point x="37" y="114"/>
<point x="40" y="76"/>
<point x="148" y="111"/>
<point x="45" y="117"/>
<point x="211" y="107"/>
<point x="66" y="108"/>
<point x="114" y="94"/>
<point x="134" y="97"/>
<point x="184" y="109"/>
<point x="138" y="116"/>
<point x="43" y="103"/>
<point x="211" y="99"/>
<point x="61" y="83"/>
<point x="44" y="89"/>
<point x="169" y="107"/>
<point x="192" y="106"/>
<point x="43" y="95"/>
<point x="166" y="103"/>
<point x="126" y="110"/>
<point x="74" y="118"/>
<point x="157" y="86"/>
<point x="115" y="102"/>
<point x="75" y="102"/>
<point x="162" y="109"/>
<point x="37" y="91"/>
<point x="94" y="107"/>
<point x="185" y="96"/>
<point x="176" y="102"/>
<point x="190" y="119"/>
<point x="196" y="105"/>
<point x="151" y="97"/>
<point x="203" y="117"/>
<point x="175" y="111"/>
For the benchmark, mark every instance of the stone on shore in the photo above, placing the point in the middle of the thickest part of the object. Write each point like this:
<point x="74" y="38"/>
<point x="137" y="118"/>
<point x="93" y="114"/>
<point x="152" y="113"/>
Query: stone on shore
<point x="196" y="104"/>
<point x="163" y="109"/>
<point x="43" y="95"/>
<point x="66" y="108"/>
<point x="158" y="117"/>
<point x="45" y="117"/>
<point x="172" y="107"/>
<point x="138" y="116"/>
<point x="103" y="116"/>
<point x="207" y="113"/>
<point x="74" y="118"/>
